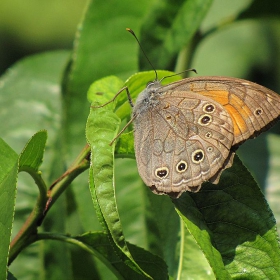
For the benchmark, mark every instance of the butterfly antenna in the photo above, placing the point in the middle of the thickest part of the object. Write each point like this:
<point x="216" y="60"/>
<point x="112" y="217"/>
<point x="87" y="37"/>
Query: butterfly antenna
<point x="134" y="35"/>
<point x="193" y="70"/>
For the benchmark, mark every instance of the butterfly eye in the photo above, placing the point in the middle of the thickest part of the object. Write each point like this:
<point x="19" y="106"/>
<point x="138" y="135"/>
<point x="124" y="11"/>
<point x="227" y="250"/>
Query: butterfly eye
<point x="258" y="111"/>
<point x="209" y="108"/>
<point x="208" y="134"/>
<point x="209" y="149"/>
<point x="181" y="166"/>
<point x="150" y="84"/>
<point x="205" y="120"/>
<point x="197" y="156"/>
<point x="162" y="172"/>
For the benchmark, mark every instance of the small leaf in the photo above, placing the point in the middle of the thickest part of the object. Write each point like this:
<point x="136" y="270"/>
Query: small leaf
<point x="32" y="154"/>
<point x="8" y="179"/>
<point x="233" y="225"/>
<point x="104" y="90"/>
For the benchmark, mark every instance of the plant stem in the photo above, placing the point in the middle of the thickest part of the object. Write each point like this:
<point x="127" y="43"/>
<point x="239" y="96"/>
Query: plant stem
<point x="28" y="232"/>
<point x="58" y="186"/>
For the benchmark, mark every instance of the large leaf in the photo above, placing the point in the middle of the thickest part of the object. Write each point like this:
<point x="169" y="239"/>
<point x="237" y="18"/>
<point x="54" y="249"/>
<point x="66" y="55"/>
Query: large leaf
<point x="103" y="125"/>
<point x="30" y="101"/>
<point x="101" y="179"/>
<point x="101" y="119"/>
<point x="233" y="225"/>
<point x="30" y="98"/>
<point x="168" y="28"/>
<point x="8" y="179"/>
<point x="102" y="47"/>
<point x="171" y="240"/>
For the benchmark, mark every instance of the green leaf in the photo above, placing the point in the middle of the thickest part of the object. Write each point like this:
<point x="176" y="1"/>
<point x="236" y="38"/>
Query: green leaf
<point x="168" y="28"/>
<point x="137" y="83"/>
<point x="192" y="262"/>
<point x="259" y="9"/>
<point x="8" y="179"/>
<point x="233" y="225"/>
<point x="32" y="154"/>
<point x="115" y="241"/>
<point x="170" y="239"/>
<point x="273" y="185"/>
<point x="103" y="90"/>
<point x="102" y="47"/>
<point x="125" y="145"/>
<point x="163" y="228"/>
<point x="103" y="125"/>
<point x="31" y="101"/>
<point x="11" y="276"/>
<point x="99" y="142"/>
<point x="99" y="243"/>
<point x="31" y="88"/>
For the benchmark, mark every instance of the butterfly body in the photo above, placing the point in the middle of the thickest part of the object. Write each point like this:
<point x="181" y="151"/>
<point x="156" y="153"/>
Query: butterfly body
<point x="187" y="132"/>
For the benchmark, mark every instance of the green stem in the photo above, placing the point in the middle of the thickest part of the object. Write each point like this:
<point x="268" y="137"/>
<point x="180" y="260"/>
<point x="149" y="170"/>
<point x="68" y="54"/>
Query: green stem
<point x="28" y="232"/>
<point x="37" y="177"/>
<point x="64" y="238"/>
<point x="185" y="57"/>
<point x="58" y="187"/>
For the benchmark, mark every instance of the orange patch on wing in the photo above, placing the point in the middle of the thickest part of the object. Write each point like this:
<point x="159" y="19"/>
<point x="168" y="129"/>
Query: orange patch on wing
<point x="239" y="124"/>
<point x="221" y="96"/>
<point x="239" y="113"/>
<point x="235" y="106"/>
<point x="240" y="106"/>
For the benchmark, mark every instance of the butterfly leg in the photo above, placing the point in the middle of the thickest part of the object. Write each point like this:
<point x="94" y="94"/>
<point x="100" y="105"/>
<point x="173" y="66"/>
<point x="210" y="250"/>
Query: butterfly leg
<point x="116" y="95"/>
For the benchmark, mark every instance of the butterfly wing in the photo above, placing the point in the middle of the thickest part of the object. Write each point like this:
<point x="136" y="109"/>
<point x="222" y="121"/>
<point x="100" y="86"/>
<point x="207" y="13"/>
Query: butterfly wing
<point x="252" y="107"/>
<point x="188" y="130"/>
<point x="182" y="141"/>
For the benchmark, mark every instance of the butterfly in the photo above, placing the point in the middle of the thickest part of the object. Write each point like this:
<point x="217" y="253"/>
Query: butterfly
<point x="187" y="132"/>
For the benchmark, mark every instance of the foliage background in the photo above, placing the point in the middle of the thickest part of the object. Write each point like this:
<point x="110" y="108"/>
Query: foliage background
<point x="247" y="49"/>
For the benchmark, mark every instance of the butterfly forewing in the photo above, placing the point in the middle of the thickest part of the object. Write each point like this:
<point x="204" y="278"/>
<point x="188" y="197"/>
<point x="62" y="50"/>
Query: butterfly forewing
<point x="186" y="132"/>
<point x="252" y="107"/>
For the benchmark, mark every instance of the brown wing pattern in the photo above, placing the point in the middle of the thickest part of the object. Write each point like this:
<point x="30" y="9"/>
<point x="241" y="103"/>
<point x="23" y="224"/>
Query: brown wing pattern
<point x="185" y="131"/>
<point x="175" y="133"/>
<point x="252" y="107"/>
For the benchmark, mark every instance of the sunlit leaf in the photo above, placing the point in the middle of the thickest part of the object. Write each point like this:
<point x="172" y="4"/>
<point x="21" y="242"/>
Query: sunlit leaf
<point x="231" y="222"/>
<point x="8" y="179"/>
